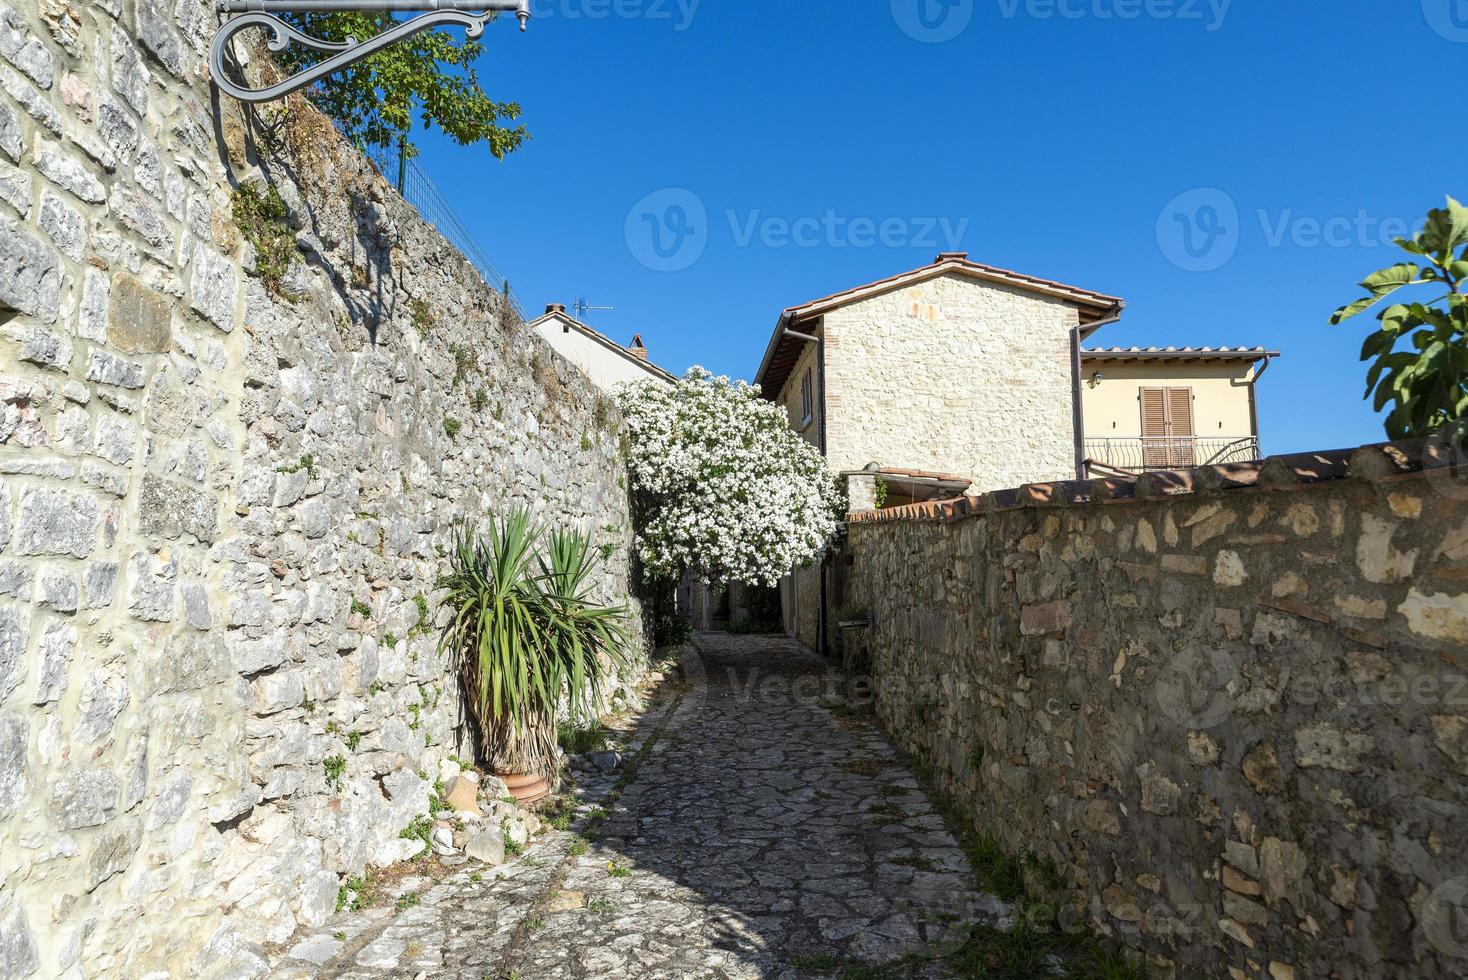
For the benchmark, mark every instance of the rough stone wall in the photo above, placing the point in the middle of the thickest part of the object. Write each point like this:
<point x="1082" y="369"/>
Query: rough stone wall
<point x="223" y="508"/>
<point x="1235" y="720"/>
<point x="954" y="376"/>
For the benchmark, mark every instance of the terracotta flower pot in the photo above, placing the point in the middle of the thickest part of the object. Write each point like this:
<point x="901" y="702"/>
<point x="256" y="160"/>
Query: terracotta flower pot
<point x="525" y="787"/>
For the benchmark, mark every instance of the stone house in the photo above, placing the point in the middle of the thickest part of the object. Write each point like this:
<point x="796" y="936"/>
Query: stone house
<point x="959" y="377"/>
<point x="599" y="357"/>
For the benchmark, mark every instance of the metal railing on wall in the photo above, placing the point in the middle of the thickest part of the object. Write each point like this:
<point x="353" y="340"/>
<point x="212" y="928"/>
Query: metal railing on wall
<point x="1171" y="452"/>
<point x="419" y="190"/>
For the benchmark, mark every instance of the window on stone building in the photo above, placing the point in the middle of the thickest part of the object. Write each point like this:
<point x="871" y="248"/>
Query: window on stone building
<point x="807" y="402"/>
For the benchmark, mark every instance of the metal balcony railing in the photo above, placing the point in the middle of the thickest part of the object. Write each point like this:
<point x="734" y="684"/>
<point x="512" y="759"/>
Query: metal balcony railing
<point x="1171" y="452"/>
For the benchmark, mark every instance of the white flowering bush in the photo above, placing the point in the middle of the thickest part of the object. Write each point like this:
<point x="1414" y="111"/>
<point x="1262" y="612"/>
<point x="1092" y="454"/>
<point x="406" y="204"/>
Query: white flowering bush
<point x="721" y="485"/>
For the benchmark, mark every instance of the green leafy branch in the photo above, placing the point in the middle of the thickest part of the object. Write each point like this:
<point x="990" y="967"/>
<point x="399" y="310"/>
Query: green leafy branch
<point x="1427" y="380"/>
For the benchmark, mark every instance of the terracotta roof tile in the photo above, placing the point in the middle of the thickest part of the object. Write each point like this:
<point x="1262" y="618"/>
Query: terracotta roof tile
<point x="1374" y="462"/>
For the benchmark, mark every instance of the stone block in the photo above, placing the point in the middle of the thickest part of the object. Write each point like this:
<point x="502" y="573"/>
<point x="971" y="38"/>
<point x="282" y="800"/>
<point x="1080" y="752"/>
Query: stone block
<point x="14" y="762"/>
<point x="18" y="953"/>
<point x="139" y="320"/>
<point x="63" y="224"/>
<point x="56" y="646"/>
<point x="113" y="852"/>
<point x="103" y="695"/>
<point x="83" y="798"/>
<point x="54" y="522"/>
<point x="99" y="584"/>
<point x="10" y="138"/>
<point x="151" y="586"/>
<point x="155" y="30"/>
<point x="487" y="846"/>
<point x="67" y="171"/>
<point x="1185" y="564"/>
<point x="271" y="693"/>
<point x="129" y="77"/>
<point x="1323" y="745"/>
<point x="213" y="285"/>
<point x="109" y="369"/>
<point x="168" y="509"/>
<point x="1038" y="619"/>
<point x="16" y="189"/>
<point x="1438" y="616"/>
<point x="1160" y="795"/>
<point x="30" y="273"/>
<point x="14" y="636"/>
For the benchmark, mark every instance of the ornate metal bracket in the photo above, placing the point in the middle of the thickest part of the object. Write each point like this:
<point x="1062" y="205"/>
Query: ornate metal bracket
<point x="468" y="14"/>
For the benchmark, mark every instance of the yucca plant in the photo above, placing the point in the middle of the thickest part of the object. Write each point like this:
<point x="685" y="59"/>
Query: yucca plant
<point x="589" y="639"/>
<point x="525" y="634"/>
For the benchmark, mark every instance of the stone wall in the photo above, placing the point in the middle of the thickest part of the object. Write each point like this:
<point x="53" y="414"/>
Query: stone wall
<point x="229" y="476"/>
<point x="952" y="375"/>
<point x="1230" y="705"/>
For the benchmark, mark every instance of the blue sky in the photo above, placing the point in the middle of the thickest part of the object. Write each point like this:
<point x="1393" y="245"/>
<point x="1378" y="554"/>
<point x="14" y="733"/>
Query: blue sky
<point x="1078" y="140"/>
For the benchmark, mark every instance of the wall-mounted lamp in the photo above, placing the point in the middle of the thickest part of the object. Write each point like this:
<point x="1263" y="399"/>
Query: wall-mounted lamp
<point x="1096" y="378"/>
<point x="468" y="14"/>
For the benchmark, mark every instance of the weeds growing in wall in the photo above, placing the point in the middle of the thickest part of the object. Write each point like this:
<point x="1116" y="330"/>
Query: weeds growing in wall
<point x="263" y="219"/>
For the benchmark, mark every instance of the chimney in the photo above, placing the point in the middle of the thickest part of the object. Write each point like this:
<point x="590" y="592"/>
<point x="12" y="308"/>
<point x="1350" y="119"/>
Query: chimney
<point x="636" y="348"/>
<point x="951" y="257"/>
<point x="555" y="307"/>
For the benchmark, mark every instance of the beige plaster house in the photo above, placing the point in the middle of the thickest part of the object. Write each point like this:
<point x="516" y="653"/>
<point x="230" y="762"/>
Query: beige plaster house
<point x="962" y="377"/>
<point x="1155" y="408"/>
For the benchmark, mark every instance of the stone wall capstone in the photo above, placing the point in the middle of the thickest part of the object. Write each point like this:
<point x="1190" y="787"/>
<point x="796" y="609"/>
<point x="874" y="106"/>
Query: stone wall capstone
<point x="237" y="441"/>
<point x="1235" y="720"/>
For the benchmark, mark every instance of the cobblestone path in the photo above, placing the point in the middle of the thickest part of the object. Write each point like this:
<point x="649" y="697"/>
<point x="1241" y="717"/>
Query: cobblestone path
<point x="757" y="832"/>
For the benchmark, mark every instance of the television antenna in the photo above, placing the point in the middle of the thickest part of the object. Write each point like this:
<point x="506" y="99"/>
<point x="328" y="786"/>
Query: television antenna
<point x="580" y="308"/>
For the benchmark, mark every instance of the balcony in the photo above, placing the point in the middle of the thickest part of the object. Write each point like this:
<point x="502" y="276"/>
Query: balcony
<point x="1142" y="453"/>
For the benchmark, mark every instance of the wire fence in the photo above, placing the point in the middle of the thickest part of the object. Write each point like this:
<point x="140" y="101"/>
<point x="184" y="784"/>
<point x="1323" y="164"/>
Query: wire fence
<point x="419" y="190"/>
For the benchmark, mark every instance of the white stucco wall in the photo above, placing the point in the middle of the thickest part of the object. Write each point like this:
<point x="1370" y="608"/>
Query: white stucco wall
<point x="605" y="367"/>
<point x="951" y="375"/>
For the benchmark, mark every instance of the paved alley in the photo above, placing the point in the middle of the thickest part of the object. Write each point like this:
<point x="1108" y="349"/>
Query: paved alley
<point x="758" y="832"/>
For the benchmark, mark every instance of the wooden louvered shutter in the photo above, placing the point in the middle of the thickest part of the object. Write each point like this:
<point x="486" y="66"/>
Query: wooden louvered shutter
<point x="1180" y="426"/>
<point x="1154" y="428"/>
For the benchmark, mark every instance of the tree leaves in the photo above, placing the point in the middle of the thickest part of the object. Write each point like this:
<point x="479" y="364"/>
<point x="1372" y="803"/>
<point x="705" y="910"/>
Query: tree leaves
<point x="430" y="74"/>
<point x="1427" y="385"/>
<point x="1381" y="285"/>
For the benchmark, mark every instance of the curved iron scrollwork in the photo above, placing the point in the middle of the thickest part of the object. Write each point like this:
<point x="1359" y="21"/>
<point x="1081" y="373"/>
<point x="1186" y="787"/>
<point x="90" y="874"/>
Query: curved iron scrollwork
<point x="468" y="14"/>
